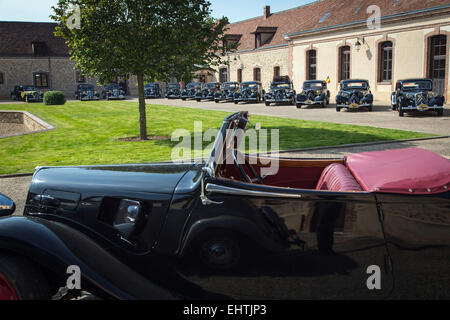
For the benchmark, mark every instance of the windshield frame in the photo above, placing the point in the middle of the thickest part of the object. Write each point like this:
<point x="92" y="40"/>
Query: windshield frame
<point x="313" y="83"/>
<point x="345" y="85"/>
<point x="193" y="85"/>
<point x="429" y="83"/>
<point x="281" y="85"/>
<point x="254" y="85"/>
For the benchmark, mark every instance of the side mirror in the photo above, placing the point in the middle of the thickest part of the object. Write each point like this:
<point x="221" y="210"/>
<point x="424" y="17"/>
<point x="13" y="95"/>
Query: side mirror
<point x="7" y="206"/>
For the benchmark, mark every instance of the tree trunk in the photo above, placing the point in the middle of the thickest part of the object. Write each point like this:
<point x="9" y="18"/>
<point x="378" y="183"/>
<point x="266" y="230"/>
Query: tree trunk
<point x="142" y="114"/>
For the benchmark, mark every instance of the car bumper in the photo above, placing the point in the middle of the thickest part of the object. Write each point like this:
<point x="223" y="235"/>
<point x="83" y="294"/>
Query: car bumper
<point x="246" y="99"/>
<point x="223" y="99"/>
<point x="422" y="108"/>
<point x="116" y="98"/>
<point x="89" y="99"/>
<point x="308" y="102"/>
<point x="278" y="100"/>
<point x="354" y="105"/>
<point x="173" y="97"/>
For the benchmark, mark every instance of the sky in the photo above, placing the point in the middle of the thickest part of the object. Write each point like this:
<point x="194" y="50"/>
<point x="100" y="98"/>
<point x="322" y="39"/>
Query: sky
<point x="235" y="10"/>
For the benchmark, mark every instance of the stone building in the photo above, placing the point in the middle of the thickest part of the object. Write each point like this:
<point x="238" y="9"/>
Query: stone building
<point x="30" y="54"/>
<point x="340" y="39"/>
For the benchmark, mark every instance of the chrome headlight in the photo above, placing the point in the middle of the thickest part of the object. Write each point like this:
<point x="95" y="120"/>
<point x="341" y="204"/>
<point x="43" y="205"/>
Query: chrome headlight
<point x="409" y="96"/>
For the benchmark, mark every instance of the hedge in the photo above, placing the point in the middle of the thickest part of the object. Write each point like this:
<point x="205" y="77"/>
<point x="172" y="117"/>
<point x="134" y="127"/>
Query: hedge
<point x="54" y="98"/>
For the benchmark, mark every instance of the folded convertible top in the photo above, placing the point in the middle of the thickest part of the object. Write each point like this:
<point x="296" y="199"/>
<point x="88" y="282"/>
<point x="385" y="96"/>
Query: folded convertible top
<point x="402" y="171"/>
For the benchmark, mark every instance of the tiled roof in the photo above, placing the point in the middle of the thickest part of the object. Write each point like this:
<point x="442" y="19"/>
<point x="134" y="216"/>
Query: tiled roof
<point x="321" y="14"/>
<point x="16" y="39"/>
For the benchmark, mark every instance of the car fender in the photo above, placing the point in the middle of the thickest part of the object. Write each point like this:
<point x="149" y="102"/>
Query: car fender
<point x="55" y="246"/>
<point x="231" y="223"/>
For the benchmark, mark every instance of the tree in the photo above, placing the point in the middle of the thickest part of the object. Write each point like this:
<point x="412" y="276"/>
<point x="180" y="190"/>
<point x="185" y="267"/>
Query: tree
<point x="152" y="39"/>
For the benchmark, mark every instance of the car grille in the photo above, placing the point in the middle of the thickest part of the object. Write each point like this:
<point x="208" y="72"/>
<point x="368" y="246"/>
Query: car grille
<point x="420" y="98"/>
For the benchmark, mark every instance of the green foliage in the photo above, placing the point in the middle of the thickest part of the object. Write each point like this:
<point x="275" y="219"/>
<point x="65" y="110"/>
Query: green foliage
<point x="54" y="98"/>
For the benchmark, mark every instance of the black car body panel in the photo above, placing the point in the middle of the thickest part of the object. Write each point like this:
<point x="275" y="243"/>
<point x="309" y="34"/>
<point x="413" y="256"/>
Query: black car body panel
<point x="314" y="92"/>
<point x="152" y="91"/>
<point x="27" y="94"/>
<point x="280" y="92"/>
<point x="191" y="90"/>
<point x="250" y="91"/>
<point x="173" y="91"/>
<point x="208" y="92"/>
<point x="86" y="92"/>
<point x="227" y="92"/>
<point x="7" y="206"/>
<point x="354" y="94"/>
<point x="127" y="226"/>
<point x="416" y="95"/>
<point x="113" y="91"/>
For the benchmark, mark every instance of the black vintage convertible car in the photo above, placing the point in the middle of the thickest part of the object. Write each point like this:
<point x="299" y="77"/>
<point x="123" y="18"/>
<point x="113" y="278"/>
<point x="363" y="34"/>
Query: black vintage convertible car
<point x="416" y="95"/>
<point x="250" y="91"/>
<point x="227" y="92"/>
<point x="280" y="92"/>
<point x="354" y="94"/>
<point x="208" y="92"/>
<point x="123" y="226"/>
<point x="86" y="92"/>
<point x="152" y="91"/>
<point x="27" y="94"/>
<point x="191" y="90"/>
<point x="113" y="91"/>
<point x="173" y="91"/>
<point x="314" y="92"/>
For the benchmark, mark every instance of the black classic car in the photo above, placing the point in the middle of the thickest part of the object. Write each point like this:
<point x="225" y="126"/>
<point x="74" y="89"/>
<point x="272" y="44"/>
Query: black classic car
<point x="227" y="92"/>
<point x="128" y="228"/>
<point x="27" y="94"/>
<point x="173" y="91"/>
<point x="208" y="92"/>
<point x="250" y="91"/>
<point x="416" y="95"/>
<point x="354" y="94"/>
<point x="280" y="92"/>
<point x="86" y="92"/>
<point x="152" y="91"/>
<point x="113" y="91"/>
<point x="191" y="90"/>
<point x="314" y="92"/>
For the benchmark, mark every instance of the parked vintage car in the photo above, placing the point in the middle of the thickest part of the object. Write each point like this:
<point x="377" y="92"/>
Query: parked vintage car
<point x="173" y="91"/>
<point x="191" y="90"/>
<point x="152" y="91"/>
<point x="208" y="92"/>
<point x="119" y="223"/>
<point x="354" y="94"/>
<point x="250" y="91"/>
<point x="86" y="92"/>
<point x="314" y="92"/>
<point x="227" y="92"/>
<point x="113" y="91"/>
<point x="280" y="92"/>
<point x="27" y="94"/>
<point x="416" y="95"/>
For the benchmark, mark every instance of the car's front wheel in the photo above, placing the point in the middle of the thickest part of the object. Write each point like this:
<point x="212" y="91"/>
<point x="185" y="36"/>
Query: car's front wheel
<point x="370" y="108"/>
<point x="400" y="112"/>
<point x="298" y="105"/>
<point x="440" y="113"/>
<point x="338" y="109"/>
<point x="21" y="280"/>
<point x="267" y="104"/>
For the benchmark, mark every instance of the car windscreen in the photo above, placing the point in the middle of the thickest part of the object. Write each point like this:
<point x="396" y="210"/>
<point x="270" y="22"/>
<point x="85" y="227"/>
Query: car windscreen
<point x="30" y="88"/>
<point x="280" y="86"/>
<point x="113" y="87"/>
<point x="193" y="86"/>
<point x="231" y="86"/>
<point x="150" y="86"/>
<point x="312" y="86"/>
<point x="417" y="85"/>
<point x="249" y="86"/>
<point x="209" y="86"/>
<point x="86" y="88"/>
<point x="354" y="85"/>
<point x="174" y="86"/>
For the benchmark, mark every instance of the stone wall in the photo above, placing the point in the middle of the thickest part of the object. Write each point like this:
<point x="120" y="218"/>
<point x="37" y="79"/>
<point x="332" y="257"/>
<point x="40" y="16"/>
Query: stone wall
<point x="21" y="122"/>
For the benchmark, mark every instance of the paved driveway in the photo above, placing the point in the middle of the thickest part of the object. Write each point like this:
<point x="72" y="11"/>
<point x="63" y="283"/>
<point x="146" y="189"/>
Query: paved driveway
<point x="381" y="117"/>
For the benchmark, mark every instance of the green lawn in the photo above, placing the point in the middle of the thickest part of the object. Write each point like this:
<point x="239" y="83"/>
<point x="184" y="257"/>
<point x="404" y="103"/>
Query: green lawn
<point x="87" y="133"/>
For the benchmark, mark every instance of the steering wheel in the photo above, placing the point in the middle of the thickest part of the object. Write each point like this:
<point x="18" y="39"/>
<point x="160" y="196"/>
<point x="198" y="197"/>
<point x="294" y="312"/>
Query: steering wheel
<point x="244" y="175"/>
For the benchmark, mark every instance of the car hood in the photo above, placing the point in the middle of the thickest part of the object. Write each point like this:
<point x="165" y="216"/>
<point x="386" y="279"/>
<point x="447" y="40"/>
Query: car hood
<point x="110" y="179"/>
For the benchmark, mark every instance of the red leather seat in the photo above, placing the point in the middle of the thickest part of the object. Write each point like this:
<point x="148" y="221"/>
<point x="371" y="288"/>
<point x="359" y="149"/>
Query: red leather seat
<point x="336" y="177"/>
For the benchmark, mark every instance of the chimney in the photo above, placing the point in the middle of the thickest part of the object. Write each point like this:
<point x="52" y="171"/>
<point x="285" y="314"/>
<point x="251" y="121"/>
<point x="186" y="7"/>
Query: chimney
<point x="266" y="12"/>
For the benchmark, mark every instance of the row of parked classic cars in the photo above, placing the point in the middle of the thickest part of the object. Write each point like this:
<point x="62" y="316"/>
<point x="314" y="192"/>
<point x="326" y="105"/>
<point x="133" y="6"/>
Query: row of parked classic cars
<point x="409" y="95"/>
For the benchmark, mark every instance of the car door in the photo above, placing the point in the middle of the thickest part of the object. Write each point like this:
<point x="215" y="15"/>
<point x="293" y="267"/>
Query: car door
<point x="296" y="274"/>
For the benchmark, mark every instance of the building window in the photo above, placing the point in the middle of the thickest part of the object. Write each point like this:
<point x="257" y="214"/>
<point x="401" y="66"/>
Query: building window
<point x="39" y="49"/>
<point x="239" y="75"/>
<point x="276" y="73"/>
<point x="223" y="75"/>
<point x="80" y="77"/>
<point x="385" y="63"/>
<point x="344" y="63"/>
<point x="41" y="80"/>
<point x="311" y="64"/>
<point x="2" y="78"/>
<point x="438" y="56"/>
<point x="263" y="38"/>
<point x="257" y="74"/>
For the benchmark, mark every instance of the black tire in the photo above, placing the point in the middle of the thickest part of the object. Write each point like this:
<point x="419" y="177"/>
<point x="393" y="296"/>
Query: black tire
<point x="235" y="102"/>
<point x="26" y="279"/>
<point x="440" y="113"/>
<point x="400" y="112"/>
<point x="267" y="104"/>
<point x="298" y="105"/>
<point x="370" y="108"/>
<point x="220" y="250"/>
<point x="338" y="109"/>
<point x="324" y="104"/>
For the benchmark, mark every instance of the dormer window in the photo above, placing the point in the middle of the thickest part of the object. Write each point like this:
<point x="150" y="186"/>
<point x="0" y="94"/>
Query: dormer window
<point x="263" y="35"/>
<point x="39" y="49"/>
<point x="231" y="41"/>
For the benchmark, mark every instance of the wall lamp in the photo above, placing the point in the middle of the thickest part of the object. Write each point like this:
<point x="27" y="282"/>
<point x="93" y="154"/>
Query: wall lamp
<point x="358" y="43"/>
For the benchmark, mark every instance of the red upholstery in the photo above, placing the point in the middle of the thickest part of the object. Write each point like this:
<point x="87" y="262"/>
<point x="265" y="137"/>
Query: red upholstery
<point x="336" y="177"/>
